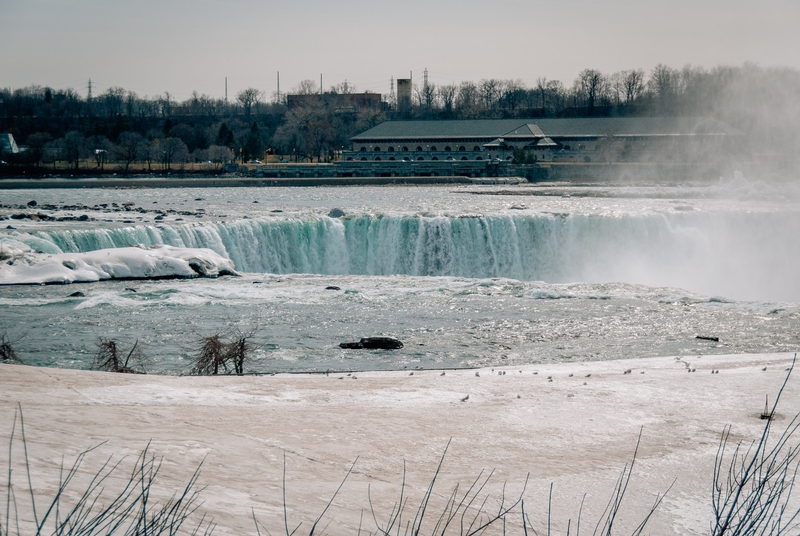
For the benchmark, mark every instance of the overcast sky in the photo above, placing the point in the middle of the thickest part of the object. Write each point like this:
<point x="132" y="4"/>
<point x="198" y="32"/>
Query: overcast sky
<point x="153" y="46"/>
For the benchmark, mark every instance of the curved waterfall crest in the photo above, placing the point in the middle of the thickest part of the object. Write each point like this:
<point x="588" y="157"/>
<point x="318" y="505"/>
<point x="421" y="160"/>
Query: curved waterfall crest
<point x="705" y="251"/>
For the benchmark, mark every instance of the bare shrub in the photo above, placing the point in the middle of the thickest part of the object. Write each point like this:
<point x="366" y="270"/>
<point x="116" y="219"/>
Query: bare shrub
<point x="753" y="483"/>
<point x="604" y="525"/>
<point x="108" y="358"/>
<point x="7" y="353"/>
<point x="92" y="508"/>
<point x="210" y="356"/>
<point x="218" y="351"/>
<point x="464" y="513"/>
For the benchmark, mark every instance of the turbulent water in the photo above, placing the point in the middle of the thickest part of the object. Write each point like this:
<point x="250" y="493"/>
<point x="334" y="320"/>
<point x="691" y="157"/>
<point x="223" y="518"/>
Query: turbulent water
<point x="464" y="276"/>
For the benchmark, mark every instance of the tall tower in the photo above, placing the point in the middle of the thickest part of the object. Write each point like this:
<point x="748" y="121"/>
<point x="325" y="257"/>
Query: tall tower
<point x="403" y="94"/>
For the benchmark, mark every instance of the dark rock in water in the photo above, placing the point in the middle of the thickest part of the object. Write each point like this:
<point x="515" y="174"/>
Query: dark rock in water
<point x="276" y="211"/>
<point x="83" y="217"/>
<point x="10" y="227"/>
<point x="257" y="282"/>
<point x="373" y="343"/>
<point x="131" y="289"/>
<point x="256" y="201"/>
<point x="702" y="338"/>
<point x="332" y="287"/>
<point x="32" y="203"/>
<point x="198" y="198"/>
<point x="78" y="294"/>
<point x="335" y="213"/>
<point x="384" y="343"/>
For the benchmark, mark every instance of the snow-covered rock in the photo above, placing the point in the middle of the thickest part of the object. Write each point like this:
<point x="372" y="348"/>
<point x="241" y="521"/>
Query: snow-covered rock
<point x="20" y="267"/>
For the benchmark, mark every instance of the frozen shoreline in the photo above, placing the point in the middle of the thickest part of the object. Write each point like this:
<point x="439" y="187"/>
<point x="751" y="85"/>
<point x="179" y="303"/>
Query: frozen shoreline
<point x="576" y="431"/>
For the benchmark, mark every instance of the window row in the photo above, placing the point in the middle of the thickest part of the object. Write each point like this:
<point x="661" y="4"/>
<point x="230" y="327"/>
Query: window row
<point x="418" y="159"/>
<point x="419" y="149"/>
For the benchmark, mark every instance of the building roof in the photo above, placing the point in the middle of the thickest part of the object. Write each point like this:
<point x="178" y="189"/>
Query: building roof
<point x="527" y="128"/>
<point x="7" y="143"/>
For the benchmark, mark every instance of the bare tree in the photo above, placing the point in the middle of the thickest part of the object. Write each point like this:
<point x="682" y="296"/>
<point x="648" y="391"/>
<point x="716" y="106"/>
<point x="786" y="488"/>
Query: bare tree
<point x="73" y="146"/>
<point x="490" y="91"/>
<point x="112" y="102"/>
<point x="306" y="87"/>
<point x="366" y="118"/>
<point x="127" y="150"/>
<point x="164" y="104"/>
<point x="514" y="94"/>
<point x="109" y="358"/>
<point x="557" y="95"/>
<point x="616" y="88"/>
<point x="217" y="351"/>
<point x="447" y="94"/>
<point x="344" y="88"/>
<point x="248" y="98"/>
<point x="36" y="143"/>
<point x="171" y="150"/>
<point x="7" y="353"/>
<point x="99" y="147"/>
<point x="218" y="154"/>
<point x="590" y="84"/>
<point x="467" y="99"/>
<point x="541" y="89"/>
<point x="428" y="96"/>
<point x="148" y="152"/>
<point x="632" y="84"/>
<point x="663" y="84"/>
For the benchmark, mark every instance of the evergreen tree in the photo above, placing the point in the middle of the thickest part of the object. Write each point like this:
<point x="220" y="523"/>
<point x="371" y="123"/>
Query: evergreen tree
<point x="254" y="145"/>
<point x="225" y="136"/>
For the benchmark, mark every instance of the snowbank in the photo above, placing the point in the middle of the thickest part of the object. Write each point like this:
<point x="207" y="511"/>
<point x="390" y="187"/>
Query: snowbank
<point x="21" y="267"/>
<point x="572" y="425"/>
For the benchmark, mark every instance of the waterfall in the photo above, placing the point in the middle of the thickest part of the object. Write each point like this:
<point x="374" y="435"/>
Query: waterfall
<point x="706" y="252"/>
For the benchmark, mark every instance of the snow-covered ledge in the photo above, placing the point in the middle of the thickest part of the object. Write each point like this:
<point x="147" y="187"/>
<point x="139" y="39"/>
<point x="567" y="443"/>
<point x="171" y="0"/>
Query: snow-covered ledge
<point x="21" y="267"/>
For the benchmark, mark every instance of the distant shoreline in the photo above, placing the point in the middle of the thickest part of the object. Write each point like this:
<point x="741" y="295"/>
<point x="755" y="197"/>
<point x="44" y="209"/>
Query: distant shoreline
<point x="234" y="182"/>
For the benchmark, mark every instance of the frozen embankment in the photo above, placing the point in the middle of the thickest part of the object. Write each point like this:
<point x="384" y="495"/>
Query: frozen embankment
<point x="266" y="441"/>
<point x="25" y="267"/>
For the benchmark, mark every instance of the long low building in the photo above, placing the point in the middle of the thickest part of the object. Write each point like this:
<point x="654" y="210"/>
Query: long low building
<point x="472" y="144"/>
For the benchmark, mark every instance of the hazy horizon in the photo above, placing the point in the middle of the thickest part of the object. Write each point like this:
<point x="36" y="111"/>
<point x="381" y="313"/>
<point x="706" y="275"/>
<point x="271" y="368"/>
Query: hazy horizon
<point x="180" y="46"/>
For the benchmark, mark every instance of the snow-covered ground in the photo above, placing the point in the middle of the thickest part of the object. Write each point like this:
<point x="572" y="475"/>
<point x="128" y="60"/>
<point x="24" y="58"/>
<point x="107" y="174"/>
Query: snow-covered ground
<point x="19" y="265"/>
<point x="574" y="425"/>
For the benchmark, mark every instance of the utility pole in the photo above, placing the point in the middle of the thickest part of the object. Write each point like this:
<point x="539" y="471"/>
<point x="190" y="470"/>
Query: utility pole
<point x="226" y="90"/>
<point x="320" y="83"/>
<point x="279" y="87"/>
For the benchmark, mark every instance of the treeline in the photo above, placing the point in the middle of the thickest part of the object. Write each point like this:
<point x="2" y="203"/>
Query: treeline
<point x="161" y="132"/>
